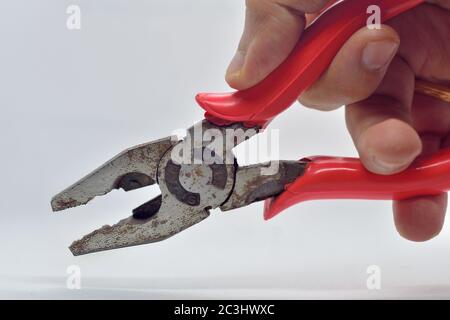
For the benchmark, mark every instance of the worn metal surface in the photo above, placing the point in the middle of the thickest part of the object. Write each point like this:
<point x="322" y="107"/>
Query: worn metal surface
<point x="171" y="218"/>
<point x="262" y="181"/>
<point x="134" y="168"/>
<point x="188" y="191"/>
<point x="171" y="177"/>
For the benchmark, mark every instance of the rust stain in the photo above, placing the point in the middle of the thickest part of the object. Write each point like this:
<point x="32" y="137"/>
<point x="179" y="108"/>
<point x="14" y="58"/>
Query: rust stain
<point x="66" y="203"/>
<point x="198" y="171"/>
<point x="157" y="223"/>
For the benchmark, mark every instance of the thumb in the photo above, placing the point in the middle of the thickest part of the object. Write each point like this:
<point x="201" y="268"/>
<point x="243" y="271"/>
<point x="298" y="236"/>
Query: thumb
<point x="272" y="29"/>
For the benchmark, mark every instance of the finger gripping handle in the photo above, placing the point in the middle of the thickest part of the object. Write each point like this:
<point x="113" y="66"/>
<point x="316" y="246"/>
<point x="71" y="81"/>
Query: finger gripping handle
<point x="311" y="57"/>
<point x="346" y="178"/>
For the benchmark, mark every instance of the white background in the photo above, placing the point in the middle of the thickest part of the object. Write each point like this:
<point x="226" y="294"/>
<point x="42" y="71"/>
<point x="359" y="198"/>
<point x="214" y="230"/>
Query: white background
<point x="71" y="100"/>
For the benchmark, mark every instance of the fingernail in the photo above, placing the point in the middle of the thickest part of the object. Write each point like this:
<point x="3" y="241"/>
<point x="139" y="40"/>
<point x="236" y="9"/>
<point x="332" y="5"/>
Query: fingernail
<point x="385" y="167"/>
<point x="376" y="55"/>
<point x="236" y="64"/>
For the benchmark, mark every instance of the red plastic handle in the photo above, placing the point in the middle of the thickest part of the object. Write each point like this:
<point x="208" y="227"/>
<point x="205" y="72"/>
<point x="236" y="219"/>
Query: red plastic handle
<point x="346" y="178"/>
<point x="315" y="51"/>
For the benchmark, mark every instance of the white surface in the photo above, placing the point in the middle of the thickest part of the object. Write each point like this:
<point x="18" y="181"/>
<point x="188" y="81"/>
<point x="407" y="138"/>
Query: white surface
<point x="72" y="99"/>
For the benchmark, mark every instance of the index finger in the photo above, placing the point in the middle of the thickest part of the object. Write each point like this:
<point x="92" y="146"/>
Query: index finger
<point x="272" y="29"/>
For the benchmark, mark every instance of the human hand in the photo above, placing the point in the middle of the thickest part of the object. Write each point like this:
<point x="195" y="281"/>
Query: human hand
<point x="374" y="76"/>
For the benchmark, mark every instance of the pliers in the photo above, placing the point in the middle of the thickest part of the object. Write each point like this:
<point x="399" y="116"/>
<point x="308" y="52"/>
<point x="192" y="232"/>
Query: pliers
<point x="199" y="173"/>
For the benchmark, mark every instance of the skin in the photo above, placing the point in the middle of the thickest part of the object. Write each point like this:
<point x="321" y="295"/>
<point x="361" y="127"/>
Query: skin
<point x="374" y="76"/>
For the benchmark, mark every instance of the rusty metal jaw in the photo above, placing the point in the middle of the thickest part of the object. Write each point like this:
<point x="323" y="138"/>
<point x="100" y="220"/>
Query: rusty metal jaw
<point x="188" y="192"/>
<point x="171" y="218"/>
<point x="194" y="175"/>
<point x="189" y="189"/>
